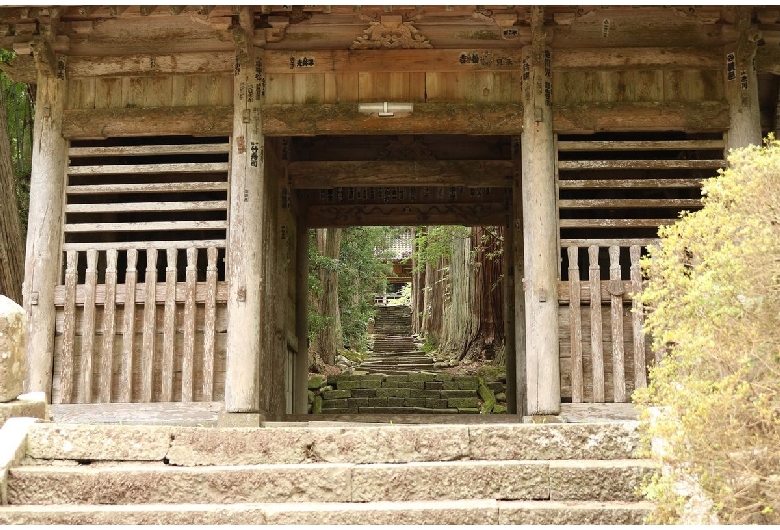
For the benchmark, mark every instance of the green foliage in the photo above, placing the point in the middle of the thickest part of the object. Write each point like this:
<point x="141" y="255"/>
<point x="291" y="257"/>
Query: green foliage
<point x="714" y="297"/>
<point x="405" y="298"/>
<point x="435" y="242"/>
<point x="362" y="272"/>
<point x="19" y="101"/>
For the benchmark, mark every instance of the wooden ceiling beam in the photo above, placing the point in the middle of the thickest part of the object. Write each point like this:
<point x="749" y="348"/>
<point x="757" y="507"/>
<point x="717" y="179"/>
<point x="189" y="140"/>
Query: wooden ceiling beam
<point x="411" y="214"/>
<point x="334" y="174"/>
<point x="427" y="118"/>
<point x="150" y="64"/>
<point x="637" y="58"/>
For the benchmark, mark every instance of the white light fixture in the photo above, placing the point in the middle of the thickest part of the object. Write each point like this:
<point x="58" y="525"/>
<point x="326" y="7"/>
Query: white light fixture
<point x="385" y="109"/>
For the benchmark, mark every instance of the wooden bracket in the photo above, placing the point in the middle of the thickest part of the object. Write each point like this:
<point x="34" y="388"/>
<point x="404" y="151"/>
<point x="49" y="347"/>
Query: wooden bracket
<point x="45" y="60"/>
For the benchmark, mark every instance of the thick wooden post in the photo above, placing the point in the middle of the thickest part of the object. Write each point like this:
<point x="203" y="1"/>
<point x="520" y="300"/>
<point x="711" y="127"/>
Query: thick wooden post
<point x="540" y="226"/>
<point x="244" y="265"/>
<point x="515" y="280"/>
<point x="301" y="368"/>
<point x="44" y="229"/>
<point x="742" y="85"/>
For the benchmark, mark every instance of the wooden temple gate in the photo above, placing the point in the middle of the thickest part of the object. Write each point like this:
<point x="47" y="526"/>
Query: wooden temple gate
<point x="172" y="190"/>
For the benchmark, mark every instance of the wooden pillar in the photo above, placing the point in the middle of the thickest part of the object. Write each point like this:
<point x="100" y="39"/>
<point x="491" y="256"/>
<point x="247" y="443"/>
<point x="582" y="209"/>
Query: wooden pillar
<point x="244" y="245"/>
<point x="742" y="85"/>
<point x="516" y="373"/>
<point x="44" y="226"/>
<point x="300" y="385"/>
<point x="540" y="226"/>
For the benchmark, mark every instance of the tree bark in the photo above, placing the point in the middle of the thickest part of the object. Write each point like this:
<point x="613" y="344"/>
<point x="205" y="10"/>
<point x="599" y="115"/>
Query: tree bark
<point x="11" y="239"/>
<point x="329" y="341"/>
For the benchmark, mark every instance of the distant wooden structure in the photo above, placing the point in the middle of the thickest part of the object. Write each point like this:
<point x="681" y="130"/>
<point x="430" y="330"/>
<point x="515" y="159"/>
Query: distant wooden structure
<point x="181" y="153"/>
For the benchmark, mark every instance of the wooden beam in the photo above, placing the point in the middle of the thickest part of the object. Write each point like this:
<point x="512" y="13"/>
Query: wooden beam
<point x="149" y="150"/>
<point x="628" y="183"/>
<point x="603" y="165"/>
<point x="697" y="116"/>
<point x="149" y="169"/>
<point x="640" y="145"/>
<point x="615" y="223"/>
<point x="159" y="121"/>
<point x="768" y="59"/>
<point x="628" y="203"/>
<point x="645" y="58"/>
<point x="427" y="118"/>
<point x="334" y="216"/>
<point x="473" y="173"/>
<point x="150" y="64"/>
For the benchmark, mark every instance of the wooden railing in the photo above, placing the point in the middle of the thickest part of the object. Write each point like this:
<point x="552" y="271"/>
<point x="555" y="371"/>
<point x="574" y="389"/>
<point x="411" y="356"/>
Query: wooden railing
<point x="605" y="320"/>
<point x="105" y="352"/>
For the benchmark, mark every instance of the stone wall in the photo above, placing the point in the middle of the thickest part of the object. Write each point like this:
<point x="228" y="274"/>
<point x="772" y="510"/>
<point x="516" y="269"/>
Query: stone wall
<point x="416" y="393"/>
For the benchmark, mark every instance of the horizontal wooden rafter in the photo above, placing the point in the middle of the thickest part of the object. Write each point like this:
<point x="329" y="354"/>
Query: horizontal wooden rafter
<point x="156" y="187"/>
<point x="637" y="58"/>
<point x="321" y="216"/>
<point x="639" y="145"/>
<point x="151" y="64"/>
<point x="471" y="173"/>
<point x="574" y="184"/>
<point x="146" y="169"/>
<point x="564" y="165"/>
<point x="149" y="150"/>
<point x="614" y="223"/>
<point x="628" y="203"/>
<point x="145" y="226"/>
<point x="699" y="116"/>
<point x="564" y="292"/>
<point x="427" y="118"/>
<point x="152" y="121"/>
<point x="181" y="206"/>
<point x="143" y="245"/>
<point x="610" y="242"/>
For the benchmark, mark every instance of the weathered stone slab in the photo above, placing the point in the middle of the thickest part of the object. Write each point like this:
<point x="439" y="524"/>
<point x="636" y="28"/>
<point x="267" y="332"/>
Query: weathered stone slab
<point x="584" y="441"/>
<point x="434" y="385"/>
<point x="411" y="384"/>
<point x="161" y="484"/>
<point x="444" y="376"/>
<point x="461" y="384"/>
<point x="572" y="512"/>
<point x="357" y="402"/>
<point x="482" y="512"/>
<point x="436" y="403"/>
<point x="62" y="441"/>
<point x="392" y="392"/>
<point x="230" y="447"/>
<point x="315" y="382"/>
<point x="458" y="393"/>
<point x="391" y="444"/>
<point x="422" y="376"/>
<point x="405" y="410"/>
<point x="13" y="436"/>
<point x="598" y="480"/>
<point x="364" y="392"/>
<point x="396" y="378"/>
<point x="336" y="394"/>
<point x="468" y="410"/>
<point x="377" y="402"/>
<point x="22" y="409"/>
<point x="451" y="480"/>
<point x="348" y="385"/>
<point x="417" y="393"/>
<point x="13" y="344"/>
<point x="414" y="402"/>
<point x="463" y="402"/>
<point x="334" y="404"/>
<point x="395" y="401"/>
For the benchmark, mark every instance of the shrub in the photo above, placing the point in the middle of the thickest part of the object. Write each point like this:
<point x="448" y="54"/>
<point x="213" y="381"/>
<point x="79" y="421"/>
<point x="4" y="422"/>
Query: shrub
<point x="714" y="308"/>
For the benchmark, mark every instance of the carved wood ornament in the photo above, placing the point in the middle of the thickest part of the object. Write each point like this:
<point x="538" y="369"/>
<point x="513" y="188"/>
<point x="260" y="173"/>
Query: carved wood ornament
<point x="391" y="32"/>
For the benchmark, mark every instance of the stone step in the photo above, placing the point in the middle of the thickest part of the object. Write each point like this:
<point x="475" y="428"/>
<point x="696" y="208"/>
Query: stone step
<point x="189" y="446"/>
<point x="485" y="512"/>
<point x="157" y="483"/>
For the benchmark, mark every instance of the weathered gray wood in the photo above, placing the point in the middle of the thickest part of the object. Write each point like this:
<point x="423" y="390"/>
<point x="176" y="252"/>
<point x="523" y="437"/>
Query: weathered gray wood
<point x="575" y="327"/>
<point x="149" y="150"/>
<point x="156" y="187"/>
<point x="629" y="183"/>
<point x="614" y="223"/>
<point x="301" y="367"/>
<point x="146" y="169"/>
<point x="245" y="238"/>
<point x="140" y="245"/>
<point x="143" y="227"/>
<point x="183" y="206"/>
<point x="128" y="330"/>
<point x="156" y="121"/>
<point x="639" y="145"/>
<point x="88" y="327"/>
<point x="508" y="284"/>
<point x="607" y="242"/>
<point x="629" y="203"/>
<point x="564" y="291"/>
<point x="600" y="165"/>
<point x="169" y="326"/>
<point x="160" y="293"/>
<point x="635" y="58"/>
<point x="149" y="333"/>
<point x="539" y="229"/>
<point x="616" y="291"/>
<point x="109" y="327"/>
<point x="742" y="86"/>
<point x="330" y="174"/>
<point x="68" y="343"/>
<point x="188" y="354"/>
<point x="149" y="64"/>
<point x="596" y="348"/>
<point x="209" y="325"/>
<point x="44" y="231"/>
<point x="637" y="319"/>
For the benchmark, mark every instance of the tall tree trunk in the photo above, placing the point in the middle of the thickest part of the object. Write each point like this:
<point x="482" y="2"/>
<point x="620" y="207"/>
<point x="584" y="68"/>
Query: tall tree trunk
<point x="12" y="244"/>
<point x="457" y="322"/>
<point x="329" y="341"/>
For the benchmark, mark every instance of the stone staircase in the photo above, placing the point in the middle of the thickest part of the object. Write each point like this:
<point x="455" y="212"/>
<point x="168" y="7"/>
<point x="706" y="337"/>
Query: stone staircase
<point x="333" y="474"/>
<point x="394" y="351"/>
